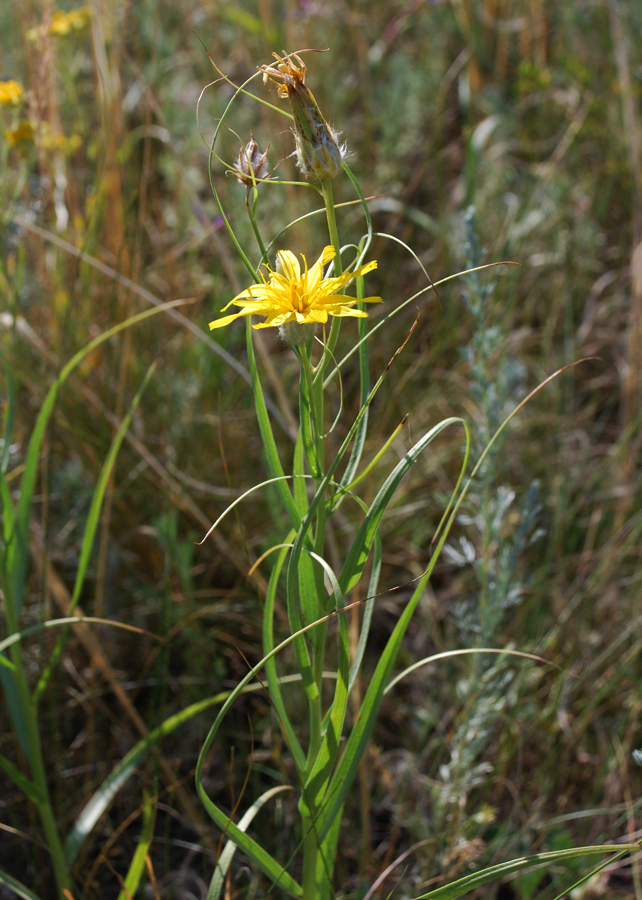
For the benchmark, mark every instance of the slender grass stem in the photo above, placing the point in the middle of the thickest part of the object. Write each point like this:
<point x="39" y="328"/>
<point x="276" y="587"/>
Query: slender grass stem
<point x="39" y="777"/>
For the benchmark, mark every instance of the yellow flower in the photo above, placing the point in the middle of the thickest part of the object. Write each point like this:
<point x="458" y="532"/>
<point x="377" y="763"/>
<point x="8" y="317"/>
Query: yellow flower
<point x="21" y="134"/>
<point x="57" y="142"/>
<point x="289" y="295"/>
<point x="11" y="93"/>
<point x="63" y="23"/>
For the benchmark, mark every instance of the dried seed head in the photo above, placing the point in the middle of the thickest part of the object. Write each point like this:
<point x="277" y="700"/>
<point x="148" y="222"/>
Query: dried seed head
<point x="251" y="163"/>
<point x="318" y="152"/>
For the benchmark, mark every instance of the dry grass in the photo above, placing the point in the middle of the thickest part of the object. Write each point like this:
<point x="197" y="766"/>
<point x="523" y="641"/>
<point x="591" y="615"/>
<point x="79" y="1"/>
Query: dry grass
<point x="531" y="111"/>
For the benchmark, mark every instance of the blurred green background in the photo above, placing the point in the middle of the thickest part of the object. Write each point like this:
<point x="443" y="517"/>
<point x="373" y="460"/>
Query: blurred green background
<point x="530" y="112"/>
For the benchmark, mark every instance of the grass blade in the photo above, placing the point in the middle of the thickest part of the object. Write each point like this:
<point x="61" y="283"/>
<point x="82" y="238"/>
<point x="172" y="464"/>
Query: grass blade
<point x="20" y="534"/>
<point x="9" y="417"/>
<point x="101" y="799"/>
<point x="137" y="865"/>
<point x="476" y="879"/>
<point x="270" y="667"/>
<point x="17" y="886"/>
<point x="225" y="859"/>
<point x="269" y="444"/>
<point x="93" y="520"/>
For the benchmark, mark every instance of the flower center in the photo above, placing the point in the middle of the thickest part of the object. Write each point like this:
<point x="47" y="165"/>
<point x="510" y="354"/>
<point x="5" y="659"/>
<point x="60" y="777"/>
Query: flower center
<point x="298" y="297"/>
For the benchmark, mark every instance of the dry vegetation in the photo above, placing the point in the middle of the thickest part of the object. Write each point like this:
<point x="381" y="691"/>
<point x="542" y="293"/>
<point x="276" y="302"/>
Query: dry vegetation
<point x="530" y="111"/>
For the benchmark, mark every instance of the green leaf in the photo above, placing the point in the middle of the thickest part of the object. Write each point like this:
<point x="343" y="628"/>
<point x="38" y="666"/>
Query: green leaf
<point x="26" y="785"/>
<point x="20" y="534"/>
<point x="476" y="879"/>
<point x="101" y="799"/>
<point x="270" y="666"/>
<point x="320" y="773"/>
<point x="368" y="608"/>
<point x="137" y="865"/>
<point x="252" y="849"/>
<point x="360" y="549"/>
<point x="352" y="569"/>
<point x="14" y="704"/>
<point x="230" y="848"/>
<point x="17" y="886"/>
<point x="89" y="534"/>
<point x="7" y="435"/>
<point x="269" y="444"/>
<point x="299" y="488"/>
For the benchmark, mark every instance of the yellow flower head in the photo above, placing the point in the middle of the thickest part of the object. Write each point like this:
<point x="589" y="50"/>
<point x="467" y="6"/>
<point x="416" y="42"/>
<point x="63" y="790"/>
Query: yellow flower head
<point x="57" y="142"/>
<point x="303" y="297"/>
<point x="63" y="23"/>
<point x="11" y="93"/>
<point x="21" y="134"/>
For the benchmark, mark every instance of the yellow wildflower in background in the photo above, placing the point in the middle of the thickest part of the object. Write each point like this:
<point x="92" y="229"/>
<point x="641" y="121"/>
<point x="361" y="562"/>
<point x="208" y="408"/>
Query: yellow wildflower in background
<point x="301" y="297"/>
<point x="21" y="134"/>
<point x="57" y="142"/>
<point x="11" y="93"/>
<point x="64" y="23"/>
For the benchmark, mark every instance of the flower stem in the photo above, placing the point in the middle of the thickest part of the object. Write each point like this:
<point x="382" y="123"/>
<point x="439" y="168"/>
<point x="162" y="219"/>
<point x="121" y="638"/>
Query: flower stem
<point x="251" y="211"/>
<point x="328" y="199"/>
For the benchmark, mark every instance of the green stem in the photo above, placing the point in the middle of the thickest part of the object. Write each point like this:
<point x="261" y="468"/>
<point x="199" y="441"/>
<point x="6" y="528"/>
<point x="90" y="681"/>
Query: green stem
<point x="39" y="777"/>
<point x="315" y="394"/>
<point x="328" y="199"/>
<point x="251" y="211"/>
<point x="310" y="859"/>
<point x="311" y="849"/>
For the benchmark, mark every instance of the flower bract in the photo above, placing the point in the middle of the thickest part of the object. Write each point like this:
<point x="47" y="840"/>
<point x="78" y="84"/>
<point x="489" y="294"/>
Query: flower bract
<point x="296" y="294"/>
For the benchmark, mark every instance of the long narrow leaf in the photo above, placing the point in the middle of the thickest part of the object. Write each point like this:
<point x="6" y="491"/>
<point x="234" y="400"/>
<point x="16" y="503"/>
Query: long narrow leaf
<point x="17" y="886"/>
<point x="99" y="802"/>
<point x="26" y="785"/>
<point x="362" y="728"/>
<point x="364" y="538"/>
<point x="270" y="667"/>
<point x="226" y="857"/>
<point x="9" y="416"/>
<point x="373" y="587"/>
<point x="269" y="444"/>
<point x="476" y="879"/>
<point x="137" y="865"/>
<point x="21" y="531"/>
<point x="252" y="849"/>
<point x="320" y="773"/>
<point x="93" y="519"/>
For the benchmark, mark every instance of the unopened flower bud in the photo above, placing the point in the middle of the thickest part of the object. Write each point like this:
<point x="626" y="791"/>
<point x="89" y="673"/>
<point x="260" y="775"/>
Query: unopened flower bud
<point x="252" y="163"/>
<point x="318" y="152"/>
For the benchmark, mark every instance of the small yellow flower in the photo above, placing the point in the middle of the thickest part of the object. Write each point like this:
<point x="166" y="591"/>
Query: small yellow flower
<point x="21" y="134"/>
<point x="11" y="93"/>
<point x="56" y="142"/>
<point x="63" y="23"/>
<point x="289" y="295"/>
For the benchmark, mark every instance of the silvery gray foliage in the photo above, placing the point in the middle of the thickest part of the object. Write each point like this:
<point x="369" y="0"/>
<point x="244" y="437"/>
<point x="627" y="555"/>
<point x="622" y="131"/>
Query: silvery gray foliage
<point x="499" y="529"/>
